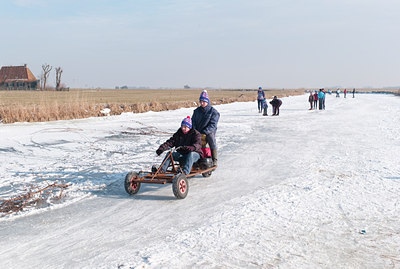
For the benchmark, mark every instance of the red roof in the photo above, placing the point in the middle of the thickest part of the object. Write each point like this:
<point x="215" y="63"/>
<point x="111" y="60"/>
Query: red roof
<point x="16" y="73"/>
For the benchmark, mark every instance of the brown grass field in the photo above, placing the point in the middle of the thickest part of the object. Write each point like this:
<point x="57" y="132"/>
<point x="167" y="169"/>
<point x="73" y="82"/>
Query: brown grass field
<point x="35" y="106"/>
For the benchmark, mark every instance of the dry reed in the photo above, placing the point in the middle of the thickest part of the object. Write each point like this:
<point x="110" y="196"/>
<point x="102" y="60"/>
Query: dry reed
<point x="31" y="106"/>
<point x="32" y="197"/>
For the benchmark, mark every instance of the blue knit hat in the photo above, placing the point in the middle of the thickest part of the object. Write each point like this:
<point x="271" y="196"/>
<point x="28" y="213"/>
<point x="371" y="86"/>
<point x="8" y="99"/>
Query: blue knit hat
<point x="204" y="97"/>
<point x="187" y="122"/>
<point x="259" y="88"/>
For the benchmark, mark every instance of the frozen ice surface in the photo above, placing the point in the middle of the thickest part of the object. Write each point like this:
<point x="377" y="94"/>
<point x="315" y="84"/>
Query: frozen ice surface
<point x="307" y="189"/>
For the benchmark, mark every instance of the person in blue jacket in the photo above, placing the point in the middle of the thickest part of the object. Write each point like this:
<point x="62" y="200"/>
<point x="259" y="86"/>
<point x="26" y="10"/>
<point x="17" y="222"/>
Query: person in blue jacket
<point x="265" y="107"/>
<point x="260" y="99"/>
<point x="205" y="120"/>
<point x="321" y="99"/>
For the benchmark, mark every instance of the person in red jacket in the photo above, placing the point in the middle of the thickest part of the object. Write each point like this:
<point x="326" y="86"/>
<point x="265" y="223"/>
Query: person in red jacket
<point x="315" y="99"/>
<point x="187" y="142"/>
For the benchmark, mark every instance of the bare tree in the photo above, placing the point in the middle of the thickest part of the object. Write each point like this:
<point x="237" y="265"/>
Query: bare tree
<point x="58" y="78"/>
<point x="41" y="81"/>
<point x="46" y="72"/>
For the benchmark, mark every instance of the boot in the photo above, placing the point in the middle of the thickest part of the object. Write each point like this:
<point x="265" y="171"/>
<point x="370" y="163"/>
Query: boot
<point x="214" y="156"/>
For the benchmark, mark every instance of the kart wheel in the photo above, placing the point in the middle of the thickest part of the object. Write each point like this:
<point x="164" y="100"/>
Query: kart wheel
<point x="206" y="174"/>
<point x="180" y="186"/>
<point x="131" y="186"/>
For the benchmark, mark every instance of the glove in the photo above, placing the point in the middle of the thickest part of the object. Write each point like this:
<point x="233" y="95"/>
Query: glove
<point x="159" y="151"/>
<point x="183" y="150"/>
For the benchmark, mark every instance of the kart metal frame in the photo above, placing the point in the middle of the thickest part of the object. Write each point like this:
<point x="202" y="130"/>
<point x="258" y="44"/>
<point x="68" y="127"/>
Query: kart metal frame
<point x="173" y="175"/>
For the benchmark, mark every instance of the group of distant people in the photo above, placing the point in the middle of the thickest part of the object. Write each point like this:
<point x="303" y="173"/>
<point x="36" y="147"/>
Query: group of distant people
<point x="263" y="104"/>
<point x="317" y="98"/>
<point x="344" y="92"/>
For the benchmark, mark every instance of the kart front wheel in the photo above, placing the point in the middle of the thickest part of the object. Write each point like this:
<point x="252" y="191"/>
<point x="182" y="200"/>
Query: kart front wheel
<point x="131" y="186"/>
<point x="180" y="186"/>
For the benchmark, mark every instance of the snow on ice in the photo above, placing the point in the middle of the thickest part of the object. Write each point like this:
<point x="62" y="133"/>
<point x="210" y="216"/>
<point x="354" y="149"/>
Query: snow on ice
<point x="307" y="189"/>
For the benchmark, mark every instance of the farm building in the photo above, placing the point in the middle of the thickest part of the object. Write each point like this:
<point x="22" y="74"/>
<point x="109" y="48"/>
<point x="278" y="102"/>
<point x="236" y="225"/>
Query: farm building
<point x="17" y="78"/>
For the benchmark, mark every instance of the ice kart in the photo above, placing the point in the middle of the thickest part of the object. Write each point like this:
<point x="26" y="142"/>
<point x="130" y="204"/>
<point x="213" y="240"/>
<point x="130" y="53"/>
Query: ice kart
<point x="174" y="175"/>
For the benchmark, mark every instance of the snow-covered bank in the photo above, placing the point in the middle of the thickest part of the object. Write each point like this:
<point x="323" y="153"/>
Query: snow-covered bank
<point x="305" y="189"/>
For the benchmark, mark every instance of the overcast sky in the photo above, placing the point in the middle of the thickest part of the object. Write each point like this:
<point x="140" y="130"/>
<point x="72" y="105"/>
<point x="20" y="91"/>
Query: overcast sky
<point x="206" y="43"/>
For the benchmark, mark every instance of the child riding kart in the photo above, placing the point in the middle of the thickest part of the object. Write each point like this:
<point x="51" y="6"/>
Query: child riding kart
<point x="188" y="143"/>
<point x="188" y="152"/>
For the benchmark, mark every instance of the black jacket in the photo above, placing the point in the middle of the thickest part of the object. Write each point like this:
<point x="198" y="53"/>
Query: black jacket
<point x="276" y="102"/>
<point x="191" y="140"/>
